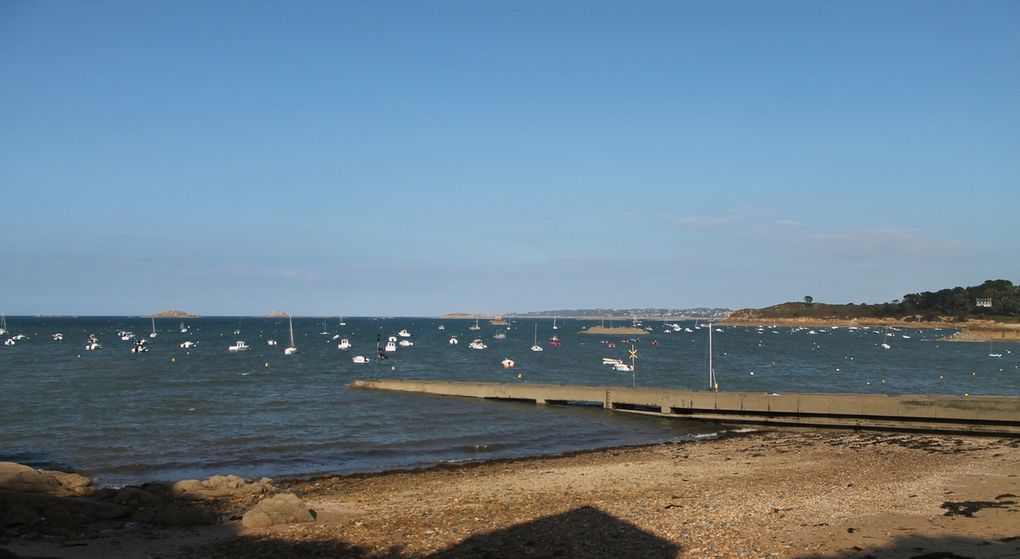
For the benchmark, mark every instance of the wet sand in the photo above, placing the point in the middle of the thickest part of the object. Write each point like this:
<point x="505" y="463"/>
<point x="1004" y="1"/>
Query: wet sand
<point x="765" y="494"/>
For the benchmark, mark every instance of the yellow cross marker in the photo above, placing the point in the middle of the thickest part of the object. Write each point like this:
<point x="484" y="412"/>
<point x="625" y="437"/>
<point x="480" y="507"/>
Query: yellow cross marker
<point x="633" y="353"/>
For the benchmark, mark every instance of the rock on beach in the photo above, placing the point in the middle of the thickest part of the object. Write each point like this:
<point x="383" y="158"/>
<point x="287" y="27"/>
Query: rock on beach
<point x="285" y="508"/>
<point x="26" y="479"/>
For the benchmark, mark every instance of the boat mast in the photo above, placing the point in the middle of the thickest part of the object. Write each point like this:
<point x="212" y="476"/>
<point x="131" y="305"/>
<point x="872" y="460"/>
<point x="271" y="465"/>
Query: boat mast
<point x="291" y="320"/>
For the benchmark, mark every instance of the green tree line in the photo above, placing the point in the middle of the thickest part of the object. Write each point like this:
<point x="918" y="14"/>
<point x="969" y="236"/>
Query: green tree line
<point x="957" y="303"/>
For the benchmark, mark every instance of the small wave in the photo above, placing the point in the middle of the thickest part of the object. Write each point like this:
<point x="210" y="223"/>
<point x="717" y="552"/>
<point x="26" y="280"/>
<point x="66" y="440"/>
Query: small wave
<point x="480" y="448"/>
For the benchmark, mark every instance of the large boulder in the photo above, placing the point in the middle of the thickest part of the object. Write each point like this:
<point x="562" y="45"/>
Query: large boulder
<point x="285" y="508"/>
<point x="26" y="479"/>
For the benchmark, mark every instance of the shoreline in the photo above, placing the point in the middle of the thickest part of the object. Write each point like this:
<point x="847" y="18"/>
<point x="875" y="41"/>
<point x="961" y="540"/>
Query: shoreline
<point x="781" y="493"/>
<point x="968" y="331"/>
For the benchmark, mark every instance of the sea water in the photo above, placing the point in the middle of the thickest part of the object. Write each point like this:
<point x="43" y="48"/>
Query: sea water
<point x="173" y="413"/>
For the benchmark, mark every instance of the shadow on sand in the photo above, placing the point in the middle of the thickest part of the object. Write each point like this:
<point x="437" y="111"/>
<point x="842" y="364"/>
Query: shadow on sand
<point x="582" y="532"/>
<point x="925" y="547"/>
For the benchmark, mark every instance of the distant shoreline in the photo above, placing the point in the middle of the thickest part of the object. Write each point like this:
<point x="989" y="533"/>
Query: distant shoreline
<point x="968" y="331"/>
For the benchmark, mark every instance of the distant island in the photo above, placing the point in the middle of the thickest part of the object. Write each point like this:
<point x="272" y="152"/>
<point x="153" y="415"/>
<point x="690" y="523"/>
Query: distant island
<point x="275" y="314"/>
<point x="990" y="311"/>
<point x="608" y="330"/>
<point x="171" y="313"/>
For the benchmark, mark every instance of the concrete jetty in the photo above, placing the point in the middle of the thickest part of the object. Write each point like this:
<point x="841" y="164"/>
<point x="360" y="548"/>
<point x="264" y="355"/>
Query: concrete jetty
<point x="985" y="415"/>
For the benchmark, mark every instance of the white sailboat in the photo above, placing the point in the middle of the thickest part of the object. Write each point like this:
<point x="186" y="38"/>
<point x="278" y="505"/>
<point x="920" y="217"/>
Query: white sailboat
<point x="476" y="326"/>
<point x="3" y="325"/>
<point x="153" y="333"/>
<point x="536" y="347"/>
<point x="991" y="352"/>
<point x="291" y="349"/>
<point x="885" y="344"/>
<point x="554" y="323"/>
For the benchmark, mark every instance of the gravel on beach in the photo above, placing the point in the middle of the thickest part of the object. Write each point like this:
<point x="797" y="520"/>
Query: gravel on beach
<point x="768" y="493"/>
<point x="764" y="494"/>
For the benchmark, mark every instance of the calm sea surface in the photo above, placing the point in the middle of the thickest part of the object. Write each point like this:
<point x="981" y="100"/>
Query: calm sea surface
<point x="173" y="413"/>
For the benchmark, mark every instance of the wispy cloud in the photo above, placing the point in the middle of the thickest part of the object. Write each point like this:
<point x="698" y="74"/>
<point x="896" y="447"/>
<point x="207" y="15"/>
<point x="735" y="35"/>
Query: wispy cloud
<point x="878" y="241"/>
<point x="789" y="223"/>
<point x="735" y="216"/>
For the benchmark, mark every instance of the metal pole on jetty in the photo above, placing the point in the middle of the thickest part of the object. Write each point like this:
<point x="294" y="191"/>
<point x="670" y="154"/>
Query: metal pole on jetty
<point x="713" y="383"/>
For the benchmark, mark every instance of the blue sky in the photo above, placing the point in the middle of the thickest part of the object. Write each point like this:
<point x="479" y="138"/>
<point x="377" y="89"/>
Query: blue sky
<point x="418" y="158"/>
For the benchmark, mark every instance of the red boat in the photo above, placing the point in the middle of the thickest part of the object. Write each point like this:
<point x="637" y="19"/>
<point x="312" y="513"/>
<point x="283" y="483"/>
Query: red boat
<point x="554" y="341"/>
<point x="655" y="343"/>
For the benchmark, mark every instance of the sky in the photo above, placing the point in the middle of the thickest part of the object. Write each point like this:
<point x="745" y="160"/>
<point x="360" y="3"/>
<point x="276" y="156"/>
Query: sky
<point x="419" y="158"/>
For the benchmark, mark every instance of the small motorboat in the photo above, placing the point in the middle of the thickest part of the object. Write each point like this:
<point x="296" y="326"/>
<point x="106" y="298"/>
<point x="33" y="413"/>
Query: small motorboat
<point x="238" y="346"/>
<point x="127" y="336"/>
<point x="624" y="368"/>
<point x="139" y="347"/>
<point x="405" y="343"/>
<point x="391" y="344"/>
<point x="508" y="363"/>
<point x="271" y="342"/>
<point x="359" y="359"/>
<point x="611" y="361"/>
<point x="187" y="344"/>
<point x="477" y="344"/>
<point x="58" y="337"/>
<point x="344" y="344"/>
<point x="404" y="334"/>
<point x="9" y="342"/>
<point x="441" y="327"/>
<point x="499" y="336"/>
<point x="453" y="340"/>
<point x="554" y="341"/>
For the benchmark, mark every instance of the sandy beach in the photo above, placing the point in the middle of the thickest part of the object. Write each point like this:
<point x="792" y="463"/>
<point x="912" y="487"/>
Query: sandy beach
<point x="790" y="493"/>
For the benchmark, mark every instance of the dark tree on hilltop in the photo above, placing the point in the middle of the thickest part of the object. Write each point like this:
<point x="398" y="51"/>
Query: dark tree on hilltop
<point x="808" y="299"/>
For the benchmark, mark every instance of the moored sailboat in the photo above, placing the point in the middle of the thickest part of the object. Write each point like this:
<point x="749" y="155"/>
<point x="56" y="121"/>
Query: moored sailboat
<point x="291" y="349"/>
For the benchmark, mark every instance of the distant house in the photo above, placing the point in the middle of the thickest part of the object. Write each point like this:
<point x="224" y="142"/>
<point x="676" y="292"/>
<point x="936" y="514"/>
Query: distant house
<point x="984" y="302"/>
